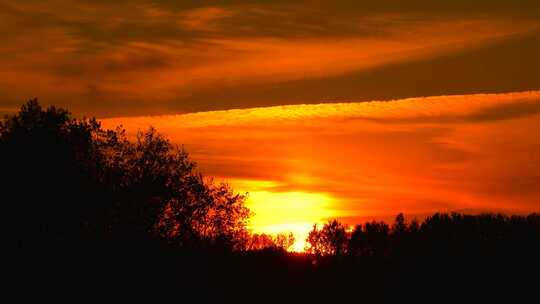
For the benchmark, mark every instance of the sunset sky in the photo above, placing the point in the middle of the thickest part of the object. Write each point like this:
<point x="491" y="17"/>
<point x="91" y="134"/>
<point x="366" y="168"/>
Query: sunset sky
<point x="319" y="109"/>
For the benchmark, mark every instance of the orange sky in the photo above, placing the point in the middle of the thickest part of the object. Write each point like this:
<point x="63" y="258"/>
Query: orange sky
<point x="304" y="139"/>
<point x="303" y="164"/>
<point x="139" y="57"/>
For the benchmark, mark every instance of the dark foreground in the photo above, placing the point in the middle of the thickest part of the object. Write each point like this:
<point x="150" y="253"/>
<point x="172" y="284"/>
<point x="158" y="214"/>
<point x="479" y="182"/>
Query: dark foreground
<point x="275" y="277"/>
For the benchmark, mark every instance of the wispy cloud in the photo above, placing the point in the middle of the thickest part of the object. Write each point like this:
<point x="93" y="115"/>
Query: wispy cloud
<point x="114" y="58"/>
<point x="416" y="155"/>
<point x="435" y="109"/>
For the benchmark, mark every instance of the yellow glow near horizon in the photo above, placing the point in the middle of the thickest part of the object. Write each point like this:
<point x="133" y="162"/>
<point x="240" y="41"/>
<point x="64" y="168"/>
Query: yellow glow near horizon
<point x="283" y="212"/>
<point x="300" y="231"/>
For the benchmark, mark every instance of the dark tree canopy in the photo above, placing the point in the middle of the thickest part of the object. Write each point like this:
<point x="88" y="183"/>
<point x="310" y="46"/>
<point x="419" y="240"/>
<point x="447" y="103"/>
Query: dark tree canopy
<point x="67" y="181"/>
<point x="330" y="240"/>
<point x="441" y="234"/>
<point x="258" y="242"/>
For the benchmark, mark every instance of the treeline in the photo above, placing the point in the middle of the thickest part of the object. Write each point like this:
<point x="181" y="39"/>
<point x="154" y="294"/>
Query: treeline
<point x="452" y="234"/>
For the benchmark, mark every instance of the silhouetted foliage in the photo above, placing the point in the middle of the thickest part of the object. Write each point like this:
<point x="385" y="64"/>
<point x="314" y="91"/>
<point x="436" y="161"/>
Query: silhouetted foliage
<point x="330" y="240"/>
<point x="70" y="182"/>
<point x="439" y="234"/>
<point x="257" y="242"/>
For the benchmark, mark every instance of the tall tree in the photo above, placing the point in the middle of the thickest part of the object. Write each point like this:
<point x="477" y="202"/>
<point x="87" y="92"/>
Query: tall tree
<point x="70" y="182"/>
<point x="330" y="240"/>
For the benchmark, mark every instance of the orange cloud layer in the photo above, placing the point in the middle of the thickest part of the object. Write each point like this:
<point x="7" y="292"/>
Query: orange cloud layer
<point x="371" y="159"/>
<point x="107" y="58"/>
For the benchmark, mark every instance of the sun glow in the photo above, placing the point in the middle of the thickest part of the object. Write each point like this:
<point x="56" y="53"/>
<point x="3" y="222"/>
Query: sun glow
<point x="283" y="212"/>
<point x="300" y="231"/>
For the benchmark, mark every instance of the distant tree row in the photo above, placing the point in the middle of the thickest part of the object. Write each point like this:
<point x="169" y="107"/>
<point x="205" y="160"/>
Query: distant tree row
<point x="263" y="241"/>
<point x="440" y="234"/>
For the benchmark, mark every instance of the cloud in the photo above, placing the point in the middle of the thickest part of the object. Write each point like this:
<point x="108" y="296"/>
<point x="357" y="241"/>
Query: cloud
<point x="205" y="19"/>
<point x="372" y="159"/>
<point x="504" y="112"/>
<point x="368" y="7"/>
<point x="435" y="109"/>
<point x="132" y="57"/>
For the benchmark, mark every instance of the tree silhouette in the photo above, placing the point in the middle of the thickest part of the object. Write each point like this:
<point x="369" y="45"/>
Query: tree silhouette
<point x="357" y="244"/>
<point x="285" y="240"/>
<point x="315" y="243"/>
<point x="330" y="240"/>
<point x="258" y="242"/>
<point x="48" y="160"/>
<point x="399" y="227"/>
<point x="70" y="182"/>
